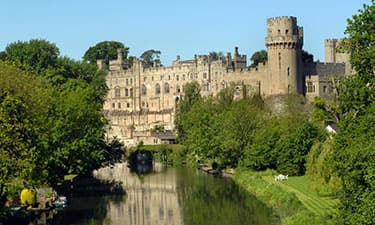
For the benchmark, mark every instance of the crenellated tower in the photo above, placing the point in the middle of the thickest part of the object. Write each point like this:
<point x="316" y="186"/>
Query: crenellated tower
<point x="284" y="43"/>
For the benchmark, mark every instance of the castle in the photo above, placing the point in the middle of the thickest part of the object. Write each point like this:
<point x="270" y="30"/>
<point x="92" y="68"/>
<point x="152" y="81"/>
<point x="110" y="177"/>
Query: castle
<point x="140" y="99"/>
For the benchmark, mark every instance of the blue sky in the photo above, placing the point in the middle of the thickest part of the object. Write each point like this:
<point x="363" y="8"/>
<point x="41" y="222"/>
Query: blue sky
<point x="174" y="27"/>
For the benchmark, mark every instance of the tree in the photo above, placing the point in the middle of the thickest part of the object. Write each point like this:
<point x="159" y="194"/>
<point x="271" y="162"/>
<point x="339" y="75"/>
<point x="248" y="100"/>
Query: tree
<point x="38" y="54"/>
<point x="259" y="57"/>
<point x="217" y="56"/>
<point x="307" y="57"/>
<point x="105" y="50"/>
<point x="358" y="91"/>
<point x="23" y="134"/>
<point x="150" y="58"/>
<point x="354" y="153"/>
<point x="191" y="96"/>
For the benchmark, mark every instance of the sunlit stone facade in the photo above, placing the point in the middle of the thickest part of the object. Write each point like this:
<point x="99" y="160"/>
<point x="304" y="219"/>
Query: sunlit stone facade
<point x="141" y="98"/>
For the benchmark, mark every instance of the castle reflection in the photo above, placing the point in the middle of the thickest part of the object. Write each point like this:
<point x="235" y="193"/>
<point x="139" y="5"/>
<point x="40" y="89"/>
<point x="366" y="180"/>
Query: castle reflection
<point x="150" y="200"/>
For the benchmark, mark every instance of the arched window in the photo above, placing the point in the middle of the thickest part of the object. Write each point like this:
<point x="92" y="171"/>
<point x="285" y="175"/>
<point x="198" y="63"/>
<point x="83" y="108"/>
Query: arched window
<point x="178" y="89"/>
<point x="166" y="88"/>
<point x="117" y="92"/>
<point x="144" y="90"/>
<point x="157" y="89"/>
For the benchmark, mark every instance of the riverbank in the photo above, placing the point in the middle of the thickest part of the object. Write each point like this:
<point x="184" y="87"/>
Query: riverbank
<point x="294" y="204"/>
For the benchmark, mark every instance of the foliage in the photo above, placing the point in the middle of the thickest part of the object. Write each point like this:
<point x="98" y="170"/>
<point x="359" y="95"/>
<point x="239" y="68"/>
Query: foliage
<point x="353" y="151"/>
<point x="150" y="58"/>
<point x="191" y="95"/>
<point x="38" y="54"/>
<point x="105" y="50"/>
<point x="319" y="168"/>
<point x="217" y="56"/>
<point x="262" y="154"/>
<point x="170" y="154"/>
<point x="259" y="57"/>
<point x="50" y="118"/>
<point x="294" y="147"/>
<point x="307" y="57"/>
<point x="354" y="161"/>
<point x="23" y="110"/>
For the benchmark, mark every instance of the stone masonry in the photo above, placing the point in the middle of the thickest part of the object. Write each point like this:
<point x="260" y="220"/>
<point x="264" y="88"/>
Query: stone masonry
<point x="139" y="99"/>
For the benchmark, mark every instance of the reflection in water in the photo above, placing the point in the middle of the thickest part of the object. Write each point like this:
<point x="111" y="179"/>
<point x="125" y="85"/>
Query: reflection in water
<point x="172" y="196"/>
<point x="150" y="199"/>
<point x="183" y="196"/>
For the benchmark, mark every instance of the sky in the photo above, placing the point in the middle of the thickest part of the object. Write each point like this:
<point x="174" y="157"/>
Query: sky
<point x="173" y="27"/>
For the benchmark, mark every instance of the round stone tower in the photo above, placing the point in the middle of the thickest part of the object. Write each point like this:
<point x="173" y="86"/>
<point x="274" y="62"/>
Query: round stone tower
<point x="284" y="46"/>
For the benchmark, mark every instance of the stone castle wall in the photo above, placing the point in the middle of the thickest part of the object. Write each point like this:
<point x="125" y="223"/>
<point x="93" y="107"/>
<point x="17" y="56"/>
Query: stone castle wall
<point x="140" y="98"/>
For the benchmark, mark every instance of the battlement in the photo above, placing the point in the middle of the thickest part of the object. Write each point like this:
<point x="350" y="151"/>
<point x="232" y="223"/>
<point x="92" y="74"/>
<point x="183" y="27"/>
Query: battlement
<point x="283" y="26"/>
<point x="281" y="20"/>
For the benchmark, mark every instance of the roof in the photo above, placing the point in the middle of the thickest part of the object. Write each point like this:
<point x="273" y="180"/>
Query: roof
<point x="164" y="134"/>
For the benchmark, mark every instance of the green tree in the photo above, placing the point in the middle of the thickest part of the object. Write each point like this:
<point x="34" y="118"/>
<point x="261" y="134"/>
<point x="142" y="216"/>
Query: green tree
<point x="38" y="54"/>
<point x="262" y="154"/>
<point x="150" y="58"/>
<point x="106" y="50"/>
<point x="353" y="157"/>
<point x="294" y="147"/>
<point x="259" y="57"/>
<point x="191" y="96"/>
<point x="23" y="135"/>
<point x="217" y="56"/>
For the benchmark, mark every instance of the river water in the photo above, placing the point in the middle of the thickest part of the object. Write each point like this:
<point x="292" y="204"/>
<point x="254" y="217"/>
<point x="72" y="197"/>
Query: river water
<point x="172" y="196"/>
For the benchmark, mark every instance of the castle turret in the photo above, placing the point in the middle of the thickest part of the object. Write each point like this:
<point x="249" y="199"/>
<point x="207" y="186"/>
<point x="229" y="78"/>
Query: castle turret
<point x="119" y="63"/>
<point x="284" y="45"/>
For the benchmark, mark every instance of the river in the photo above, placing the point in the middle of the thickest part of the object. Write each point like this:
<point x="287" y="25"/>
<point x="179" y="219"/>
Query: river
<point x="173" y="196"/>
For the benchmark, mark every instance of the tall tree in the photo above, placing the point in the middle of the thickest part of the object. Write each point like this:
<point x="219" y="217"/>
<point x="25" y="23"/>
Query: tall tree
<point x="191" y="96"/>
<point x="217" y="56"/>
<point x="38" y="54"/>
<point x="106" y="50"/>
<point x="259" y="57"/>
<point x="354" y="152"/>
<point x="150" y="58"/>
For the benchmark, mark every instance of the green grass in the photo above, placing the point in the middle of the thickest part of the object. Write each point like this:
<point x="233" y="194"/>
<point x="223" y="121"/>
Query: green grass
<point x="302" y="187"/>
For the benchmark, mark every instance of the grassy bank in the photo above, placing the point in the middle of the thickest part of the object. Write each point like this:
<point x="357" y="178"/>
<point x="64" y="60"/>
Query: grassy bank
<point x="293" y="200"/>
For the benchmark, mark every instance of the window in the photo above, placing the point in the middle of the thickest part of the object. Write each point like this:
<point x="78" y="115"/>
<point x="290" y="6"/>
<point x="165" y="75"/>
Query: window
<point x="144" y="90"/>
<point x="126" y="92"/>
<point x="131" y="81"/>
<point x="204" y="75"/>
<point x="286" y="31"/>
<point x="166" y="88"/>
<point x="128" y="105"/>
<point x="310" y="87"/>
<point x="131" y="92"/>
<point x="177" y="77"/>
<point x="157" y="89"/>
<point x="288" y="71"/>
<point x="117" y="92"/>
<point x="183" y="76"/>
<point x="127" y="82"/>
<point x="119" y="105"/>
<point x="278" y="31"/>
<point x="324" y="89"/>
<point x="178" y="89"/>
<point x="113" y="105"/>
